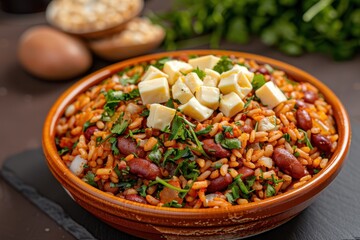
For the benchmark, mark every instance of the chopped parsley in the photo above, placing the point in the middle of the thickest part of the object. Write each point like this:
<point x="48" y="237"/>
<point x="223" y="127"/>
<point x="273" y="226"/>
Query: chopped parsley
<point x="199" y="72"/>
<point x="145" y="113"/>
<point x="188" y="169"/>
<point x="129" y="80"/>
<point x="114" y="97"/>
<point x="229" y="143"/>
<point x="114" y="148"/>
<point x="228" y="129"/>
<point x="225" y="64"/>
<point x="89" y="178"/>
<point x="258" y="81"/>
<point x="287" y="137"/>
<point x="305" y="139"/>
<point x="155" y="155"/>
<point x="120" y="125"/>
<point x="173" y="204"/>
<point x="204" y="131"/>
<point x="170" y="103"/>
<point x="63" y="151"/>
<point x="296" y="154"/>
<point x="270" y="190"/>
<point x="160" y="63"/>
<point x="86" y="125"/>
<point x="142" y="190"/>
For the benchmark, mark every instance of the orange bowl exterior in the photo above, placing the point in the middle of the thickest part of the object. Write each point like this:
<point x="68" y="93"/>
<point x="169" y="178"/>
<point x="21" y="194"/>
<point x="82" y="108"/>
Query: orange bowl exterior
<point x="152" y="222"/>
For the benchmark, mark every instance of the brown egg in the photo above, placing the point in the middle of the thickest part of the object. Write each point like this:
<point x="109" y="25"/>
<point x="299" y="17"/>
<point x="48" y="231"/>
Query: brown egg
<point x="53" y="55"/>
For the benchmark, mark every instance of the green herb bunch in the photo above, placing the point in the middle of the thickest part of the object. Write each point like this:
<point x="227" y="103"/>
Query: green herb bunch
<point x="293" y="26"/>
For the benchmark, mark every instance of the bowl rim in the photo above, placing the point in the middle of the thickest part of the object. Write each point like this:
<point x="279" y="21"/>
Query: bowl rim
<point x="314" y="185"/>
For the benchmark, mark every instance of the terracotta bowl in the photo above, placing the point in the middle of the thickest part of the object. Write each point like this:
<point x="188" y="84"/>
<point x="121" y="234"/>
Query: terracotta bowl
<point x="152" y="222"/>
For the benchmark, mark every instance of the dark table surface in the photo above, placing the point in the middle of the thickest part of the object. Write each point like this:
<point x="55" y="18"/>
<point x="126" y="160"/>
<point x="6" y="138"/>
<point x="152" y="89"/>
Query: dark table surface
<point x="25" y="101"/>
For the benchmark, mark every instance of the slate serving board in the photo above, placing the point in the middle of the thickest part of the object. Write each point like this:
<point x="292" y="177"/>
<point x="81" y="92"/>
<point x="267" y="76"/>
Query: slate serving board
<point x="335" y="214"/>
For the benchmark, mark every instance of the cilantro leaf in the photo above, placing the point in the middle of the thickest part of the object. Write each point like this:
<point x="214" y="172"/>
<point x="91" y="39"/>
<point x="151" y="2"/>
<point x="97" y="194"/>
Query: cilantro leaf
<point x="199" y="72"/>
<point x="63" y="151"/>
<point x="155" y="155"/>
<point x="188" y="169"/>
<point x="129" y="80"/>
<point x="173" y="204"/>
<point x="258" y="81"/>
<point x="114" y="148"/>
<point x="270" y="190"/>
<point x="145" y="113"/>
<point x="160" y="62"/>
<point x="223" y="65"/>
<point x="170" y="103"/>
<point x="142" y="190"/>
<point x="204" y="131"/>
<point x="89" y="179"/>
<point x="86" y="125"/>
<point x="287" y="137"/>
<point x="228" y="129"/>
<point x="231" y="143"/>
<point x="120" y="125"/>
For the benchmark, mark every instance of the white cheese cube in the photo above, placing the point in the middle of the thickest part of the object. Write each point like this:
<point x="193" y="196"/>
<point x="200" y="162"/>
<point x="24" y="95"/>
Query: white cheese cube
<point x="195" y="110"/>
<point x="203" y="62"/>
<point x="154" y="91"/>
<point x="160" y="116"/>
<point x="181" y="92"/>
<point x="231" y="104"/>
<point x="244" y="83"/>
<point x="193" y="81"/>
<point x="211" y="78"/>
<point x="175" y="68"/>
<point x="153" y="73"/>
<point x="270" y="95"/>
<point x="208" y="96"/>
<point x="237" y="69"/>
<point x="230" y="84"/>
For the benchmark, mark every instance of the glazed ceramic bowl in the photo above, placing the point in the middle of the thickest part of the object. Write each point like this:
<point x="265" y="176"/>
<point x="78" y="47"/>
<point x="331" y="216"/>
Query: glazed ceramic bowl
<point x="152" y="222"/>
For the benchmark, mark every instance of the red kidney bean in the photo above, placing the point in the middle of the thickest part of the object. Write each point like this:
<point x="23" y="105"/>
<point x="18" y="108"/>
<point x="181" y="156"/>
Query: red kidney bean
<point x="143" y="168"/>
<point x="321" y="142"/>
<point x="310" y="96"/>
<point x="246" y="129"/>
<point x="107" y="188"/>
<point x="303" y="119"/>
<point x="300" y="103"/>
<point x="246" y="172"/>
<point x="289" y="163"/>
<point x="219" y="184"/>
<point x="215" y="149"/>
<point x="135" y="198"/>
<point x="128" y="146"/>
<point x="90" y="131"/>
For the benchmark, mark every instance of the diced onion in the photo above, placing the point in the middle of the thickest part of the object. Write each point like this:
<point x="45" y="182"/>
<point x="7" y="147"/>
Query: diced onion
<point x="133" y="108"/>
<point x="266" y="162"/>
<point x="77" y="165"/>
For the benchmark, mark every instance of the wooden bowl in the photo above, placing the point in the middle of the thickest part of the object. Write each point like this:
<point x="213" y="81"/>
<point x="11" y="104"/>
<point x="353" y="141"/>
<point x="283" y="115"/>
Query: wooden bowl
<point x="152" y="222"/>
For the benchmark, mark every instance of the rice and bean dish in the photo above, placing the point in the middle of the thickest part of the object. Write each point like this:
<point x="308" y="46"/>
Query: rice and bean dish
<point x="197" y="132"/>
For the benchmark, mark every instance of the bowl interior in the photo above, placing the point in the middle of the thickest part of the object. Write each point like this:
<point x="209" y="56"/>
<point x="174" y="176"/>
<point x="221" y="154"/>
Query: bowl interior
<point x="314" y="186"/>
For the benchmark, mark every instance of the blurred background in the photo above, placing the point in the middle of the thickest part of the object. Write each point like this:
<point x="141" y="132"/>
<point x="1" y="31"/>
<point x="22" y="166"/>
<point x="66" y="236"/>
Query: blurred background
<point x="46" y="46"/>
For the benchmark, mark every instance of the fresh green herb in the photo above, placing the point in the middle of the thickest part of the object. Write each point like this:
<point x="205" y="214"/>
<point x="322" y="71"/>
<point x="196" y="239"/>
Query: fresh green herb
<point x="114" y="148"/>
<point x="121" y="173"/>
<point x="177" y="129"/>
<point x="296" y="154"/>
<point x="188" y="169"/>
<point x="120" y="126"/>
<point x="145" y="113"/>
<point x="155" y="155"/>
<point x="57" y="141"/>
<point x="204" y="131"/>
<point x="89" y="179"/>
<point x="200" y="73"/>
<point x="231" y="143"/>
<point x="230" y="198"/>
<point x="287" y="137"/>
<point x="142" y="190"/>
<point x="219" y="137"/>
<point x="238" y="123"/>
<point x="75" y="144"/>
<point x="228" y="129"/>
<point x="86" y="166"/>
<point x="270" y="190"/>
<point x="258" y="81"/>
<point x="217" y="165"/>
<point x="170" y="103"/>
<point x="129" y="183"/>
<point x="274" y="180"/>
<point x="225" y="64"/>
<point x="160" y="63"/>
<point x="305" y="139"/>
<point x="166" y="184"/>
<point x="63" y="151"/>
<point x="173" y="204"/>
<point x="248" y="102"/>
<point x="250" y="181"/>
<point x="291" y="82"/>
<point x="86" y="125"/>
<point x="235" y="190"/>
<point x="129" y="80"/>
<point x="112" y="100"/>
<point x="177" y="154"/>
<point x="316" y="171"/>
